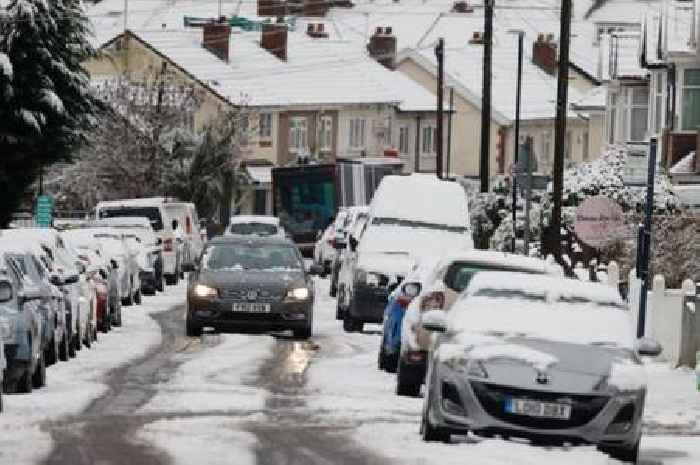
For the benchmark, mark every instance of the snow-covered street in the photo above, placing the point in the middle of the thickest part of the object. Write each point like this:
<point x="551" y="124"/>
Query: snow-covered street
<point x="146" y="394"/>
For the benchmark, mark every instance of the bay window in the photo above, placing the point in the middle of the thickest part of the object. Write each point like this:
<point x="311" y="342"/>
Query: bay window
<point x="691" y="100"/>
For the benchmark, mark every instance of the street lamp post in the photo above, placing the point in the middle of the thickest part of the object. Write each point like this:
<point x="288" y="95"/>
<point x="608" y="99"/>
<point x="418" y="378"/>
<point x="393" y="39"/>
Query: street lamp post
<point x="516" y="144"/>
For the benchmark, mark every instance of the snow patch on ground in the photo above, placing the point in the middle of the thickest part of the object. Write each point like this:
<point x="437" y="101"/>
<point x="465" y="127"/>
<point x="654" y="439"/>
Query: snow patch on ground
<point x="72" y="386"/>
<point x="673" y="402"/>
<point x="210" y="441"/>
<point x="218" y="378"/>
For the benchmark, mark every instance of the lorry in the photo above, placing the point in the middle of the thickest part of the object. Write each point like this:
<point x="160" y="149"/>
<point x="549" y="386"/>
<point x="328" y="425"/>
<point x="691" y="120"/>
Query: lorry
<point x="306" y="197"/>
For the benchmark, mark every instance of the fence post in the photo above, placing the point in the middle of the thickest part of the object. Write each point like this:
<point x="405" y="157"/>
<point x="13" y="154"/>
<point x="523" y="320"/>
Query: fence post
<point x="655" y="315"/>
<point x="614" y="274"/>
<point x="690" y="325"/>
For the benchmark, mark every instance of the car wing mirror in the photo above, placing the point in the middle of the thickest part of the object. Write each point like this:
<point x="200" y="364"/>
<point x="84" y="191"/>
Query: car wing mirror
<point x="647" y="347"/>
<point x="434" y="321"/>
<point x="411" y="289"/>
<point x="6" y="291"/>
<point x="353" y="243"/>
<point x="115" y="265"/>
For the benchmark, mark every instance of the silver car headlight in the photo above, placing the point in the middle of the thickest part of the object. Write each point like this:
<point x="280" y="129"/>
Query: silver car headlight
<point x="8" y="328"/>
<point x="298" y="293"/>
<point x="201" y="290"/>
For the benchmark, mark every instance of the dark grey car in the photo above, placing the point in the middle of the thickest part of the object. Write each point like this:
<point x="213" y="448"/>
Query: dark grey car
<point x="250" y="284"/>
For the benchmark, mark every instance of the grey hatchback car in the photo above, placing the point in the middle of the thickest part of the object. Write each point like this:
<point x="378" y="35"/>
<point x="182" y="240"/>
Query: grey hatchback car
<point x="251" y="284"/>
<point x="545" y="358"/>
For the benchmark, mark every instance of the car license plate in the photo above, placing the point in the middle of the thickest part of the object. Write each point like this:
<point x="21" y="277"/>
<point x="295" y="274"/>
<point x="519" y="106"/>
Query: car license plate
<point x="535" y="408"/>
<point x="247" y="307"/>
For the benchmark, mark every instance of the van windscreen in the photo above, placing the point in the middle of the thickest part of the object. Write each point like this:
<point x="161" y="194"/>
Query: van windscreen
<point x="152" y="213"/>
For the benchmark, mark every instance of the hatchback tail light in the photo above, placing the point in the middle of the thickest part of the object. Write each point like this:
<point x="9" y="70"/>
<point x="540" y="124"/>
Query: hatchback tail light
<point x="433" y="301"/>
<point x="168" y="245"/>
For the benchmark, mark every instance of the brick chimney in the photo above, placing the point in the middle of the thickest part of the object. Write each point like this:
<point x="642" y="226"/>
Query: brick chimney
<point x="316" y="30"/>
<point x="317" y="8"/>
<point x="382" y="47"/>
<point x="544" y="54"/>
<point x="215" y="38"/>
<point x="461" y="6"/>
<point x="274" y="39"/>
<point x="273" y="8"/>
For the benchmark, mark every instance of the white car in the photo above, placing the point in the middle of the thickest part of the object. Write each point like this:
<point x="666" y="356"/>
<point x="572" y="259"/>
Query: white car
<point x="352" y="221"/>
<point x="255" y="225"/>
<point x="188" y="229"/>
<point x="155" y="210"/>
<point x="324" y="250"/>
<point x="441" y="281"/>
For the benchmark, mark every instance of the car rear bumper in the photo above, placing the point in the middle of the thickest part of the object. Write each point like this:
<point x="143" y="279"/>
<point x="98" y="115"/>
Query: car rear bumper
<point x="468" y="406"/>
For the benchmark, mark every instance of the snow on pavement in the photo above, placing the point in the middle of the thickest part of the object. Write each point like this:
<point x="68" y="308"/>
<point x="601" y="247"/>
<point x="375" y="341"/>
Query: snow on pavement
<point x="673" y="401"/>
<point x="72" y="386"/>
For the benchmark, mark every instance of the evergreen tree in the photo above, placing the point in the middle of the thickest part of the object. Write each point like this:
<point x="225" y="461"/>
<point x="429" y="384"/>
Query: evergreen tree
<point x="47" y="104"/>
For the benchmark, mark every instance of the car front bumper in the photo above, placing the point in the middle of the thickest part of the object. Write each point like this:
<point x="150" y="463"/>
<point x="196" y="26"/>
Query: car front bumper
<point x="219" y="314"/>
<point x="467" y="405"/>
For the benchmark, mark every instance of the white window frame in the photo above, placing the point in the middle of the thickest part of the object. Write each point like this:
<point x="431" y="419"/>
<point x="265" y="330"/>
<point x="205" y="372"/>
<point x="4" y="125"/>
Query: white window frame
<point x="632" y="106"/>
<point x="325" y="133"/>
<point x="657" y="103"/>
<point x="265" y="126"/>
<point x="684" y="88"/>
<point x="298" y="134"/>
<point x="357" y="135"/>
<point x="404" y="140"/>
<point x="611" y="116"/>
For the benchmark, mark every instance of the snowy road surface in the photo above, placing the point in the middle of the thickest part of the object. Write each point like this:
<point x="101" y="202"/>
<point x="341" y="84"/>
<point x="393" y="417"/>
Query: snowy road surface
<point x="146" y="394"/>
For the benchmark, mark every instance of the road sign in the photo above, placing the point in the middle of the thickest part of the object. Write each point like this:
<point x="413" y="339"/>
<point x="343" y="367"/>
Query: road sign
<point x="599" y="221"/>
<point x="44" y="211"/>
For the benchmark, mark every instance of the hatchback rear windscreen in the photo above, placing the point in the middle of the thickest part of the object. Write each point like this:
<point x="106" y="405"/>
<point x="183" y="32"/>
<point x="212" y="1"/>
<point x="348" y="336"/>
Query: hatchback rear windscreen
<point x="152" y="213"/>
<point x="258" y="229"/>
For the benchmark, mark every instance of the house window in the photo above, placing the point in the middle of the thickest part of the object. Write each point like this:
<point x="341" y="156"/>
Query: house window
<point x="639" y="113"/>
<point x="298" y="140"/>
<point x="691" y="99"/>
<point x="357" y="133"/>
<point x="429" y="142"/>
<point x="265" y="125"/>
<point x="326" y="133"/>
<point x="658" y="103"/>
<point x="404" y="139"/>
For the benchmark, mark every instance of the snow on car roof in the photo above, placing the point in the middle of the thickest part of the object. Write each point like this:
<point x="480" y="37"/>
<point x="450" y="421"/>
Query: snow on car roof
<point x="500" y="259"/>
<point x="421" y="197"/>
<point x="147" y="202"/>
<point x="544" y="285"/>
<point x="255" y="219"/>
<point x="125" y="221"/>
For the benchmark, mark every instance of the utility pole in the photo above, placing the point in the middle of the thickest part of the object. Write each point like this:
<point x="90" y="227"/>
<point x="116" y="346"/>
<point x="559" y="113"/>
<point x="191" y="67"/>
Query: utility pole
<point x="516" y="145"/>
<point x="449" y="132"/>
<point x="528" y="194"/>
<point x="486" y="97"/>
<point x="644" y="244"/>
<point x="560" y="130"/>
<point x="440" y="55"/>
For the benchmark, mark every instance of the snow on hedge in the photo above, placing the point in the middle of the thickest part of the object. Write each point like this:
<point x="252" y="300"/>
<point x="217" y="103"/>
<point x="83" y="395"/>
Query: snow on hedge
<point x="5" y="66"/>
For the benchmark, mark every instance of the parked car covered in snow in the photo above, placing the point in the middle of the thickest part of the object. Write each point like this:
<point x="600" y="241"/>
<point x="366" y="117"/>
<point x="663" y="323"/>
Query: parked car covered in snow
<point x="19" y="312"/>
<point x="342" y="263"/>
<point x="187" y="230"/>
<point x="410" y="217"/>
<point x="155" y="210"/>
<point x="255" y="225"/>
<point x="539" y="357"/>
<point x="440" y="282"/>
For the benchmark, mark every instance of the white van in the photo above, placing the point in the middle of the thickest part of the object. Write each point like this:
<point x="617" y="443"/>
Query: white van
<point x="155" y="210"/>
<point x="410" y="218"/>
<point x="188" y="224"/>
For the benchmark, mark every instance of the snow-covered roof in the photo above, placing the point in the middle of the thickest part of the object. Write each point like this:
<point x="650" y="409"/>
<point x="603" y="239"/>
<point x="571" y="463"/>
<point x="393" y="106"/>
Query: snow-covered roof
<point x="317" y="72"/>
<point x="684" y="165"/>
<point x="144" y="202"/>
<point x="463" y="67"/>
<point x="265" y="219"/>
<point x="595" y="99"/>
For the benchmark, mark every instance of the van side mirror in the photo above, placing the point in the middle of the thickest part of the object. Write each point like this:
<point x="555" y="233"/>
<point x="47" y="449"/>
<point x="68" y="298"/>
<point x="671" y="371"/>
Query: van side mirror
<point x="159" y="241"/>
<point x="353" y="243"/>
<point x="115" y="266"/>
<point x="647" y="347"/>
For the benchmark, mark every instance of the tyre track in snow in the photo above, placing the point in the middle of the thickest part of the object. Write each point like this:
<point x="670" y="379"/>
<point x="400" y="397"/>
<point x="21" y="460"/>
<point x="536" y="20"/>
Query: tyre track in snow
<point x="103" y="433"/>
<point x="292" y="434"/>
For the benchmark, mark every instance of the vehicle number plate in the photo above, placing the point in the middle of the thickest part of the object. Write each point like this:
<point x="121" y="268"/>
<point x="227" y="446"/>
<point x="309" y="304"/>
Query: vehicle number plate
<point x="535" y="408"/>
<point x="247" y="307"/>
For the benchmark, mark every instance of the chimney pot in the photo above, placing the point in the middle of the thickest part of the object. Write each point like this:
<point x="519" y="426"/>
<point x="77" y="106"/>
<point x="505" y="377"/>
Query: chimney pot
<point x="544" y="54"/>
<point x="550" y="38"/>
<point x="382" y="47"/>
<point x="379" y="31"/>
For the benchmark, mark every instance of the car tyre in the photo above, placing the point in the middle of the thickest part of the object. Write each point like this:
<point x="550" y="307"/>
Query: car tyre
<point x="304" y="333"/>
<point x="117" y="321"/>
<point x="381" y="361"/>
<point x="137" y="297"/>
<point x="25" y="383"/>
<point x="407" y="383"/>
<point x="51" y="353"/>
<point x="63" y="350"/>
<point x="192" y="329"/>
<point x="339" y="311"/>
<point x="87" y="340"/>
<point x="430" y="432"/>
<point x="106" y="325"/>
<point x="623" y="454"/>
<point x="39" y="375"/>
<point x="160" y="285"/>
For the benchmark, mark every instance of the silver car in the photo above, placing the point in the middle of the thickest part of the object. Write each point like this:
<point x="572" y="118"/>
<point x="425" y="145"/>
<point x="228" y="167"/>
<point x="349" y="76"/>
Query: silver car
<point x="544" y="358"/>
